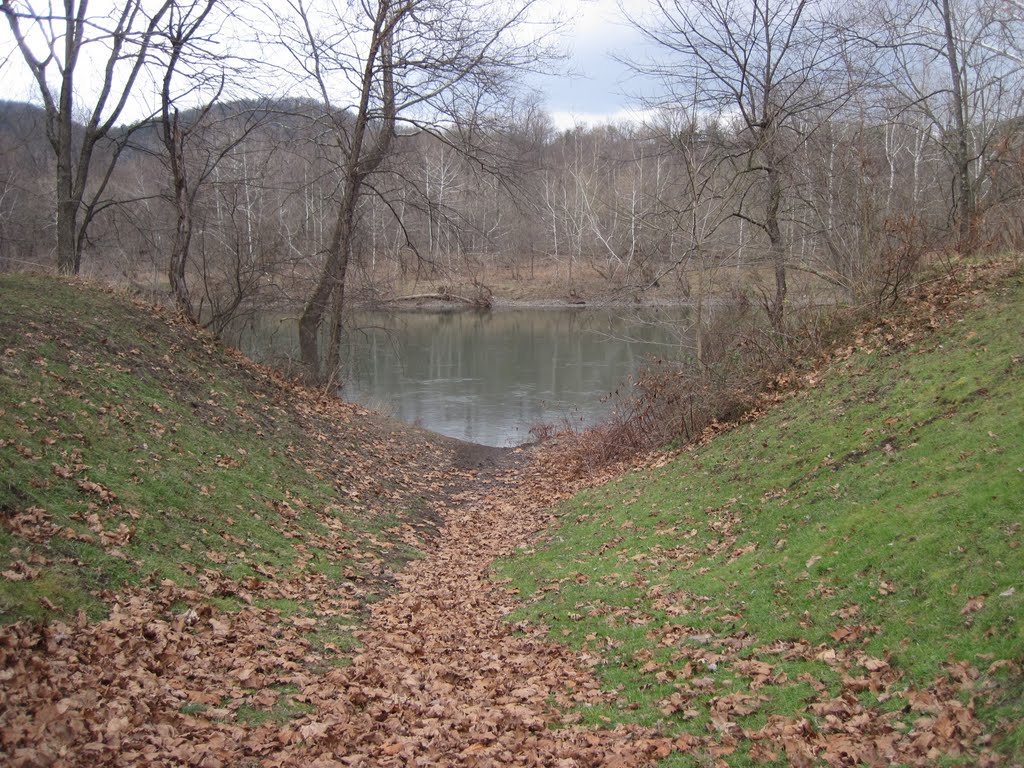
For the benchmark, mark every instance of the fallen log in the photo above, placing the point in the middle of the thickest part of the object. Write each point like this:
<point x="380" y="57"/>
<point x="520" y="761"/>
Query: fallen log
<point x="433" y="297"/>
<point x="480" y="302"/>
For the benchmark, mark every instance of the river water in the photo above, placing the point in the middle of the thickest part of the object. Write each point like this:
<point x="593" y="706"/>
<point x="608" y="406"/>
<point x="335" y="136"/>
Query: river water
<point x="489" y="377"/>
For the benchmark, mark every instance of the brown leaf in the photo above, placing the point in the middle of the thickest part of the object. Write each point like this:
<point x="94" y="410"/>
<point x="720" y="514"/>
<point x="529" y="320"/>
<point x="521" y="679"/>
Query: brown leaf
<point x="973" y="605"/>
<point x="312" y="731"/>
<point x="97" y="490"/>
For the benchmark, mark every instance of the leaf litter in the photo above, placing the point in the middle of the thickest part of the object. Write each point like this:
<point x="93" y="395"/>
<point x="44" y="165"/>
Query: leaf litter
<point x="441" y="677"/>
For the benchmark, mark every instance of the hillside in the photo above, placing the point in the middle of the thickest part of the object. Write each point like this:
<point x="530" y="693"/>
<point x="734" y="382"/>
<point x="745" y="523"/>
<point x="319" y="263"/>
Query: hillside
<point x="140" y="450"/>
<point x="838" y="581"/>
<point x="156" y="486"/>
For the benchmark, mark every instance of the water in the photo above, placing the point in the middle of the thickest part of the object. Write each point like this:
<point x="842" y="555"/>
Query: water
<point x="489" y="377"/>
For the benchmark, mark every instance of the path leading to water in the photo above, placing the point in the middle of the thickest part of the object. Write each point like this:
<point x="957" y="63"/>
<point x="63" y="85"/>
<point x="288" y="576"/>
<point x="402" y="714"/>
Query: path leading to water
<point x="443" y="678"/>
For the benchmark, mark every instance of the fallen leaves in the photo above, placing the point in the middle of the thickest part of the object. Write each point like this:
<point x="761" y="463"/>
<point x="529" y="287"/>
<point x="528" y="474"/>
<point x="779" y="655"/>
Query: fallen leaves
<point x="33" y="524"/>
<point x="441" y="677"/>
<point x="973" y="605"/>
<point x="113" y="691"/>
<point x="20" y="571"/>
<point x="103" y="494"/>
<point x="761" y="673"/>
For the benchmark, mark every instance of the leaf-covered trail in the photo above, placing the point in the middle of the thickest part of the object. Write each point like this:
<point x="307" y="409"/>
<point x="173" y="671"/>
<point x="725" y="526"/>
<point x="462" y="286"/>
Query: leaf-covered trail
<point x="440" y="678"/>
<point x="443" y="679"/>
<point x="190" y="542"/>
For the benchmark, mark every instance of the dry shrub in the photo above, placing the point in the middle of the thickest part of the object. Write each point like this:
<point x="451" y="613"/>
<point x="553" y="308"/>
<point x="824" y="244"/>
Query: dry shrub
<point x="676" y="402"/>
<point x="745" y="362"/>
<point x="896" y="262"/>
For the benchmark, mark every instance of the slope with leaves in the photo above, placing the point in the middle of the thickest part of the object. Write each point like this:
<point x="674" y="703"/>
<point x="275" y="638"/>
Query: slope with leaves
<point x="255" y="651"/>
<point x="837" y="582"/>
<point x="180" y="531"/>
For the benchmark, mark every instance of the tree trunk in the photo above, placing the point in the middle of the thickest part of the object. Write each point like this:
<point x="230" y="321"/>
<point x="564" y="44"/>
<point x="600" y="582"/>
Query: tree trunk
<point x="61" y="127"/>
<point x="309" y="326"/>
<point x="179" y="258"/>
<point x="68" y="261"/>
<point x="332" y="366"/>
<point x="330" y="288"/>
<point x="173" y="140"/>
<point x="777" y="250"/>
<point x="965" y="204"/>
<point x="699" y="311"/>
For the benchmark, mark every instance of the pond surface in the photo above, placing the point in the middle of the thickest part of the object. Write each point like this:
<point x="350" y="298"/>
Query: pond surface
<point x="489" y="377"/>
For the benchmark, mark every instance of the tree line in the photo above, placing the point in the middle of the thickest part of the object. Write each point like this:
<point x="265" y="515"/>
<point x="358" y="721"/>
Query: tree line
<point x="840" y="143"/>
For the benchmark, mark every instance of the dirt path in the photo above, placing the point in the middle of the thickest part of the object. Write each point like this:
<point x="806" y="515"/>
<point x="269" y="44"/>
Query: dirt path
<point x="442" y="678"/>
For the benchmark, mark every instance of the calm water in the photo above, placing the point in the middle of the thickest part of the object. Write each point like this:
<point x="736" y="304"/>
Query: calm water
<point x="487" y="378"/>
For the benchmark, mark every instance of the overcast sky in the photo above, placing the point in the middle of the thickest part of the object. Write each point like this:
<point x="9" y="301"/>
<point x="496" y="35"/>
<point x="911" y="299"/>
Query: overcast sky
<point x="598" y="88"/>
<point x="593" y="90"/>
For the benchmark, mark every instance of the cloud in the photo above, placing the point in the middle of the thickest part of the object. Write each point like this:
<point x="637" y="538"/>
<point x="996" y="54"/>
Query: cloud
<point x="599" y="26"/>
<point x="564" y="121"/>
<point x="595" y="82"/>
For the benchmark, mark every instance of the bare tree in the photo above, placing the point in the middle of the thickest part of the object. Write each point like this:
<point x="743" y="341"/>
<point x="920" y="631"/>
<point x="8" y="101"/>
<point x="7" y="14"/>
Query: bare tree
<point x="772" y="68"/>
<point x="54" y="45"/>
<point x="196" y="69"/>
<point x="698" y="211"/>
<point x="956" y="62"/>
<point x="381" y="66"/>
<point x="182" y="27"/>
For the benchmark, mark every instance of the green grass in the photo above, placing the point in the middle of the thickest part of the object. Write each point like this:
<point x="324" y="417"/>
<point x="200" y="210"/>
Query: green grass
<point x="284" y="709"/>
<point x="149" y="452"/>
<point x="881" y="501"/>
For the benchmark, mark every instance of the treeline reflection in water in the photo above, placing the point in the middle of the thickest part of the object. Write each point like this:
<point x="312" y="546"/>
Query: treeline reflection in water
<point x="488" y="377"/>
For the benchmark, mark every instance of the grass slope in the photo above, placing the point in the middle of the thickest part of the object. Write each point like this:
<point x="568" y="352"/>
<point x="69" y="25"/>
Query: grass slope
<point x="135" y="451"/>
<point x="841" y="581"/>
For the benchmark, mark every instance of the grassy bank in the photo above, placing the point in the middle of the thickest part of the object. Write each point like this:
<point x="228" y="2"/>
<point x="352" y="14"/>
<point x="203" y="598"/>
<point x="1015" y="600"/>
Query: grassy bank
<point x="136" y="450"/>
<point x="839" y="581"/>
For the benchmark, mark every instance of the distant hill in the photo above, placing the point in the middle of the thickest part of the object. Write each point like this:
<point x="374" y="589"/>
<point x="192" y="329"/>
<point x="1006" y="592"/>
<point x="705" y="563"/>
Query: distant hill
<point x="23" y="125"/>
<point x="23" y="130"/>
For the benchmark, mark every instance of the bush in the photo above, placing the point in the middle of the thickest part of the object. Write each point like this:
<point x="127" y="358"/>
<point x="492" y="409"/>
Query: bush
<point x="742" y="358"/>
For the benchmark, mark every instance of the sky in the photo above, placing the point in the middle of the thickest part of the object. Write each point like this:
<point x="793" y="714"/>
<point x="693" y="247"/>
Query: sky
<point x="597" y="89"/>
<point x="592" y="91"/>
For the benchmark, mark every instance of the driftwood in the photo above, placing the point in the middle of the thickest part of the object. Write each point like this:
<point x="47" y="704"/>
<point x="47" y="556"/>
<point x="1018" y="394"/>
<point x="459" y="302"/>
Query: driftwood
<point x="433" y="297"/>
<point x="481" y="302"/>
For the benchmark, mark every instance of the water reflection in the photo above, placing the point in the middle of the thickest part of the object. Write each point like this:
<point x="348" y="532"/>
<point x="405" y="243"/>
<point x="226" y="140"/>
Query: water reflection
<point x="487" y="378"/>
